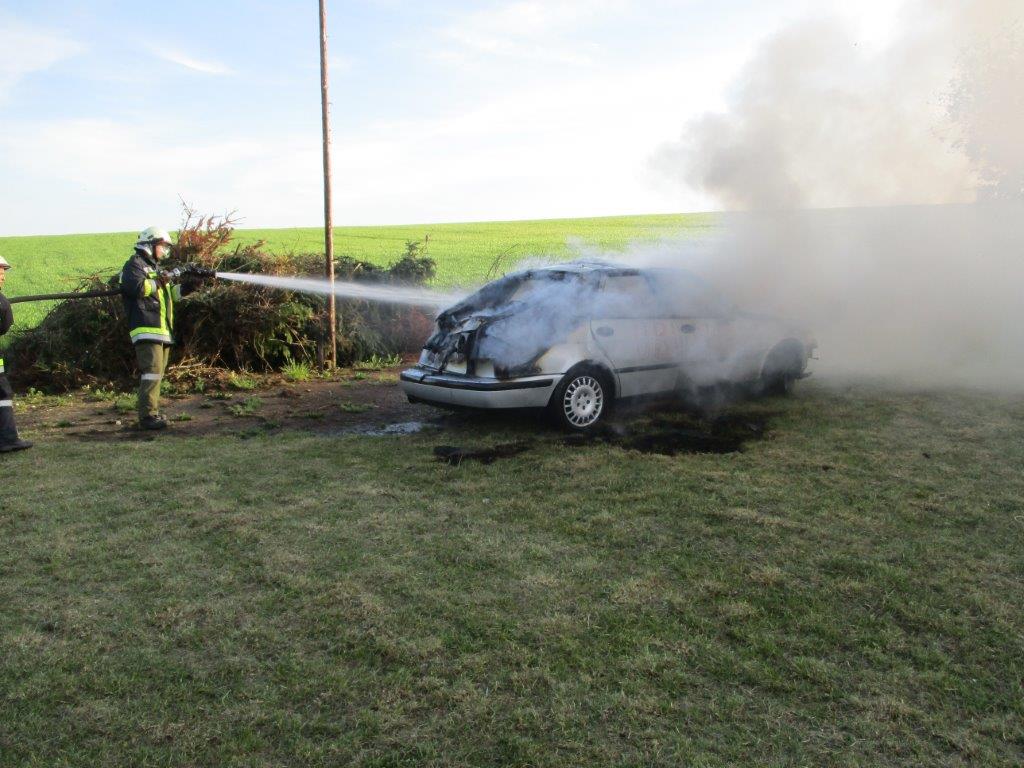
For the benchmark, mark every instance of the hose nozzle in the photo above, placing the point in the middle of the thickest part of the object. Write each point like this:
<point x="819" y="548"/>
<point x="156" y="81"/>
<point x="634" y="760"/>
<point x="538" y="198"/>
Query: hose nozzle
<point x="193" y="271"/>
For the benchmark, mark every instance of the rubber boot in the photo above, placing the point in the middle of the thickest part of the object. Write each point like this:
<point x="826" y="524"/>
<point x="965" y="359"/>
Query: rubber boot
<point x="152" y="423"/>
<point x="15" y="444"/>
<point x="9" y="440"/>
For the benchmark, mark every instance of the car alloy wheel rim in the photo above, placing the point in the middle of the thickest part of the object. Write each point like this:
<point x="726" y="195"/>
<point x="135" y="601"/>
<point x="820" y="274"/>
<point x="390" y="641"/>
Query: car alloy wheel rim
<point x="583" y="401"/>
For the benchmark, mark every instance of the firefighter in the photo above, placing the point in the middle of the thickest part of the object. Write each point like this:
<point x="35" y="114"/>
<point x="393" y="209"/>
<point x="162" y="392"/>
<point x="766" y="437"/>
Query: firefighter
<point x="149" y="298"/>
<point x="9" y="440"/>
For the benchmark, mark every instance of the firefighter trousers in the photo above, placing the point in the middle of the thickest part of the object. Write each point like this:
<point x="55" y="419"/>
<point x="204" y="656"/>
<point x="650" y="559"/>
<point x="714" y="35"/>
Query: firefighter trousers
<point x="8" y="430"/>
<point x="151" y="357"/>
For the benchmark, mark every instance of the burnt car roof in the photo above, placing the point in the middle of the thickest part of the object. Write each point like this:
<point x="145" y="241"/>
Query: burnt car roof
<point x="597" y="266"/>
<point x="586" y="266"/>
<point x="493" y="293"/>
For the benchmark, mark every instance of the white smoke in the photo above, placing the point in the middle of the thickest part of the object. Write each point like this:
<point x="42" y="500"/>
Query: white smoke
<point x="924" y="286"/>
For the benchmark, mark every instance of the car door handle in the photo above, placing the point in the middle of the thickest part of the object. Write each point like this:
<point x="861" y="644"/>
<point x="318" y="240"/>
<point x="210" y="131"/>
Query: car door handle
<point x="687" y="328"/>
<point x="604" y="330"/>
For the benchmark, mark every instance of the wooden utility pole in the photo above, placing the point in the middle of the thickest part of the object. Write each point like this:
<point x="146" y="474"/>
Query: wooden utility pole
<point x="331" y="358"/>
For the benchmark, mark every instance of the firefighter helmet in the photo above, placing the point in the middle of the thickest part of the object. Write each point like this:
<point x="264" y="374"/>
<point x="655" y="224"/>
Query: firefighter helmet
<point x="153" y="235"/>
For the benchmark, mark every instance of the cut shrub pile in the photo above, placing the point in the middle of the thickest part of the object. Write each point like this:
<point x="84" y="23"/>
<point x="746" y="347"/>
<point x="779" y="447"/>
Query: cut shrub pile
<point x="226" y="325"/>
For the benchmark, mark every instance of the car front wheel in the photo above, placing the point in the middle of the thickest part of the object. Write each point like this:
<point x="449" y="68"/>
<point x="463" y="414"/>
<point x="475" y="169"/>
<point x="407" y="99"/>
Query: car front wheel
<point x="582" y="400"/>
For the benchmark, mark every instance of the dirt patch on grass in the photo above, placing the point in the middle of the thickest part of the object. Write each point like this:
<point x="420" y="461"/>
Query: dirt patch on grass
<point x="372" y="404"/>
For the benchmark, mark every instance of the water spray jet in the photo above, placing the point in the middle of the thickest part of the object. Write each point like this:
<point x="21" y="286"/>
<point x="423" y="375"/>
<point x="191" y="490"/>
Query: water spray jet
<point x="389" y="294"/>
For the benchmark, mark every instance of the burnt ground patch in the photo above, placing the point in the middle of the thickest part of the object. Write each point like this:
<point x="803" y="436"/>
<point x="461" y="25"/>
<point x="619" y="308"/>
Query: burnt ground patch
<point x="674" y="434"/>
<point x="654" y="430"/>
<point x="454" y="456"/>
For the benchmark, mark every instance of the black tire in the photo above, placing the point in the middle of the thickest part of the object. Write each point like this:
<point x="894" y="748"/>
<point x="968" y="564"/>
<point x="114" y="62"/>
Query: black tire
<point x="778" y="385"/>
<point x="783" y="367"/>
<point x="582" y="400"/>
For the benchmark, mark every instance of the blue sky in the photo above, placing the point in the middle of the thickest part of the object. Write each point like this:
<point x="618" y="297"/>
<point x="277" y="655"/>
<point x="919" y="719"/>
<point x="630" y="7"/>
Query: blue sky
<point x="442" y="111"/>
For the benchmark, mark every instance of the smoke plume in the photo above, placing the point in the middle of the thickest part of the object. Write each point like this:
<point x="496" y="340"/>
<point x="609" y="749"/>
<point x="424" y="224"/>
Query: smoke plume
<point x="916" y="273"/>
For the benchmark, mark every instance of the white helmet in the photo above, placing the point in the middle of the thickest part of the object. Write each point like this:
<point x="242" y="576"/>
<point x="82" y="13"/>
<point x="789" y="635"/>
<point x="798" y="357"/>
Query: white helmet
<point x="153" y="235"/>
<point x="4" y="263"/>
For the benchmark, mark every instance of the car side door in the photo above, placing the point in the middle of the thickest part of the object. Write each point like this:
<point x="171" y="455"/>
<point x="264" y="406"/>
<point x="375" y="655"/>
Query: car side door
<point x="626" y="326"/>
<point x="700" y="326"/>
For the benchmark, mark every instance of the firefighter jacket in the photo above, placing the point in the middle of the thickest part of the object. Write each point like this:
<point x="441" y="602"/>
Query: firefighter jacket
<point x="6" y="315"/>
<point x="6" y="321"/>
<point x="150" y="308"/>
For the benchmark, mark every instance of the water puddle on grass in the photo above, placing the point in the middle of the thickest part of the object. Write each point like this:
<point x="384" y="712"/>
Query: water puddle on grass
<point x="387" y="430"/>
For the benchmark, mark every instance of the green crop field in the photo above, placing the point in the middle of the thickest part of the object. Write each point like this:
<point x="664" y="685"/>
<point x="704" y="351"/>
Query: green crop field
<point x="465" y="253"/>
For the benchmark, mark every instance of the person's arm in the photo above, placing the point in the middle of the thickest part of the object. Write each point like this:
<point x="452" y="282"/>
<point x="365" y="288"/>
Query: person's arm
<point x="134" y="282"/>
<point x="6" y="315"/>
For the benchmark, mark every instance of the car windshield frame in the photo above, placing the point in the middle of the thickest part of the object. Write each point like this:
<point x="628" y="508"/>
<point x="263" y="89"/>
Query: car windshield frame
<point x="502" y="292"/>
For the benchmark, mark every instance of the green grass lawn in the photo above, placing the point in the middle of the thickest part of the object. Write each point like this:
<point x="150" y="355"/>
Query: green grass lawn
<point x="846" y="592"/>
<point x="464" y="252"/>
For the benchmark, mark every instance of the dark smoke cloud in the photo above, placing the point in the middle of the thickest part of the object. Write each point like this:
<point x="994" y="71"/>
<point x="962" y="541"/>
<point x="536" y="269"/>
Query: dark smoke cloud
<point x="919" y="279"/>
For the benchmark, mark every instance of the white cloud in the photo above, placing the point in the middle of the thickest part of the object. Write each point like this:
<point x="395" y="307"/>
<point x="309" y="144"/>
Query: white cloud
<point x="25" y="49"/>
<point x="550" y="141"/>
<point x="527" y="29"/>
<point x="340" y="64"/>
<point x="116" y="152"/>
<point x="111" y="175"/>
<point x="207" y="67"/>
<point x="497" y="160"/>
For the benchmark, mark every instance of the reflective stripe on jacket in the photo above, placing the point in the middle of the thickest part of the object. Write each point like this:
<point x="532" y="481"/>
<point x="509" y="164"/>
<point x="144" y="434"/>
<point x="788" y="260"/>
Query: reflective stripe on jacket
<point x="150" y="308"/>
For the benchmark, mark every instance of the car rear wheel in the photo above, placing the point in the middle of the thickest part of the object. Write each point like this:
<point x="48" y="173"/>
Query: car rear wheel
<point x="778" y="385"/>
<point x="582" y="399"/>
<point x="783" y="367"/>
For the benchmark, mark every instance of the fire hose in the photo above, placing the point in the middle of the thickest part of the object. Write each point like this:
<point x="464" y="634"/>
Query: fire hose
<point x="189" y="270"/>
<point x="73" y="295"/>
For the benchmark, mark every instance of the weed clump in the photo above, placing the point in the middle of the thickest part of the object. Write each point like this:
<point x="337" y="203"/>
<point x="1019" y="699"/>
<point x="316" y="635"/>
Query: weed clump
<point x="242" y="382"/>
<point x="247" y="407"/>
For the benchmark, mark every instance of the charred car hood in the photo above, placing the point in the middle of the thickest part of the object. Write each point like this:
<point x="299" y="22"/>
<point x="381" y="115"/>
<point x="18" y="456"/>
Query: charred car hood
<point x="462" y="318"/>
<point x="513" y="336"/>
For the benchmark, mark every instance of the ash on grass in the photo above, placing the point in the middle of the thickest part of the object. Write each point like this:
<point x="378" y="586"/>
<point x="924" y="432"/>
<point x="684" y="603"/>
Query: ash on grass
<point x="666" y="435"/>
<point x="453" y="456"/>
<point x="680" y="434"/>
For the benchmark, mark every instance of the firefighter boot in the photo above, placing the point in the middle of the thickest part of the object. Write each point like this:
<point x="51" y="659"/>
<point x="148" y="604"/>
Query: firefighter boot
<point x="152" y="422"/>
<point x="9" y="440"/>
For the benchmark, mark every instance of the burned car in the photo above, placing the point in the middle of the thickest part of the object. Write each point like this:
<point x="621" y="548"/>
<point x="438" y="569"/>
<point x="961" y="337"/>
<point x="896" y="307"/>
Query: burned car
<point x="575" y="338"/>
